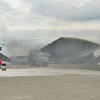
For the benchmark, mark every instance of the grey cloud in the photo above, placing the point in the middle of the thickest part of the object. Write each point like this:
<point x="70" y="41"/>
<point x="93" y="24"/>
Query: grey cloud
<point x="66" y="10"/>
<point x="5" y="6"/>
<point x="62" y="10"/>
<point x="3" y="27"/>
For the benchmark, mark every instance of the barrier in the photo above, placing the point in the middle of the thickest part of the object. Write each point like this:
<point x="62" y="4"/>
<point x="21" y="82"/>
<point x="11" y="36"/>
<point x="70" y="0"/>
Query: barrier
<point x="3" y="67"/>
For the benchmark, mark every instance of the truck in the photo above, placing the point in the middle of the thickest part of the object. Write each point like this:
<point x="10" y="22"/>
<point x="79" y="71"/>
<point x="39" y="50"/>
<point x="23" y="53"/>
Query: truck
<point x="36" y="59"/>
<point x="41" y="61"/>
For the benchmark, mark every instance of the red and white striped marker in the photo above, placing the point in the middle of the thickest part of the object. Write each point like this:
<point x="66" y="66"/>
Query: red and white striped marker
<point x="3" y="67"/>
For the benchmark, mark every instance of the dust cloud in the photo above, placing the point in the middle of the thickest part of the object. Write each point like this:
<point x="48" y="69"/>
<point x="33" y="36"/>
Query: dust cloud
<point x="17" y="48"/>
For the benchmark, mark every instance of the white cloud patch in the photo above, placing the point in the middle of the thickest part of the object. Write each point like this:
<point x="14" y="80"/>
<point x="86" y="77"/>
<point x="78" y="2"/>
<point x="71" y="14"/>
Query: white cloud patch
<point x="81" y="3"/>
<point x="19" y="5"/>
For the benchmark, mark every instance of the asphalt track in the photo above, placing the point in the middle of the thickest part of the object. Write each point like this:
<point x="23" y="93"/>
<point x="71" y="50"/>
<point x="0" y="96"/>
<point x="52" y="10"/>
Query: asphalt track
<point x="46" y="72"/>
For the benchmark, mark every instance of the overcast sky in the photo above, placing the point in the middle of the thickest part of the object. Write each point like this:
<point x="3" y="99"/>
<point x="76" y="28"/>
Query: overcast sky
<point x="35" y="23"/>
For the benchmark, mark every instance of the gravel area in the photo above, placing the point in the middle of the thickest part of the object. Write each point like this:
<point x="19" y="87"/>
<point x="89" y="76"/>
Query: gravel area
<point x="60" y="87"/>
